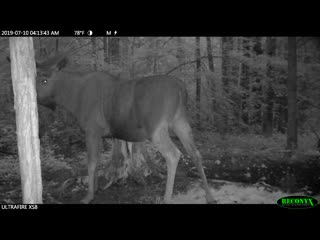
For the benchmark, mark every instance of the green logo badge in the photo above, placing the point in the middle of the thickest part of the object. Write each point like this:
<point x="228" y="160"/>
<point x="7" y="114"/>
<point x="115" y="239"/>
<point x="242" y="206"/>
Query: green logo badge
<point x="297" y="202"/>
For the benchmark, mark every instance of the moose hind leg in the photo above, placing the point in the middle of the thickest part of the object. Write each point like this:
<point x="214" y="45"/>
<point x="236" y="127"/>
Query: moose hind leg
<point x="172" y="155"/>
<point x="183" y="130"/>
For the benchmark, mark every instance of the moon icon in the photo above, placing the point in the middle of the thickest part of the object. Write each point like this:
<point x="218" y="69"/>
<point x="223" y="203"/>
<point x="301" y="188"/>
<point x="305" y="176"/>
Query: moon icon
<point x="90" y="32"/>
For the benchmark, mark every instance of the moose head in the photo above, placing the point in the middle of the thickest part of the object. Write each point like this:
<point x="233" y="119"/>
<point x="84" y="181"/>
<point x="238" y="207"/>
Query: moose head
<point x="47" y="77"/>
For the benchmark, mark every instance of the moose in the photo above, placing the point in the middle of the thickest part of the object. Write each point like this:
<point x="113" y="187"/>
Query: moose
<point x="131" y="110"/>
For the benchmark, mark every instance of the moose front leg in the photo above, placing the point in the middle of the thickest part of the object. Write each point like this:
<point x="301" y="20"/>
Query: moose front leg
<point x="93" y="143"/>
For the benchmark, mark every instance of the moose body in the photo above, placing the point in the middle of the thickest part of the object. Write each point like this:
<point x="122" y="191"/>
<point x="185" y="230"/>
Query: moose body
<point x="131" y="110"/>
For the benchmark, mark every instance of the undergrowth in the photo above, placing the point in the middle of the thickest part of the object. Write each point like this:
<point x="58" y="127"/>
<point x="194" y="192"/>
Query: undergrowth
<point x="257" y="145"/>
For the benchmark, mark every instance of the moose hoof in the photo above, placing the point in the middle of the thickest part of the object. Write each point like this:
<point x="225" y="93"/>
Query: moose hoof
<point x="87" y="200"/>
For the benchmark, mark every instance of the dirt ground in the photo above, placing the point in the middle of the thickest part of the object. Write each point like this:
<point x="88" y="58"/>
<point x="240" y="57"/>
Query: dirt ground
<point x="230" y="177"/>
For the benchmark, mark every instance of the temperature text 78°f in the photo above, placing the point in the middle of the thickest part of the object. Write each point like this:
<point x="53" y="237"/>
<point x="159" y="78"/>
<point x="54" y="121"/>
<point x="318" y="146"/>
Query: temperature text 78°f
<point x="78" y="32"/>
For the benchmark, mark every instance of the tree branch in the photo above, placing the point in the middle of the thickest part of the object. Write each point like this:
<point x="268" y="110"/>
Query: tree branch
<point x="302" y="98"/>
<point x="182" y="64"/>
<point x="167" y="41"/>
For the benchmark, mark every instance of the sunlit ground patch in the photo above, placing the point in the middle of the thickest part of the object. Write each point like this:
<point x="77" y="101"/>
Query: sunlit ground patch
<point x="230" y="193"/>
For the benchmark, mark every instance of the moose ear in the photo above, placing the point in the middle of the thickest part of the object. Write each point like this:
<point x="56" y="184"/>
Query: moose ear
<point x="55" y="63"/>
<point x="62" y="63"/>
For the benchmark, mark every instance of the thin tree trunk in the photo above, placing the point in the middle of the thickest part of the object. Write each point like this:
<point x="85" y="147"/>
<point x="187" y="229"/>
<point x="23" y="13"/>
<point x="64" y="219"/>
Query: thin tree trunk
<point x="198" y="80"/>
<point x="292" y="138"/>
<point x="268" y="93"/>
<point x="250" y="101"/>
<point x="180" y="53"/>
<point x="210" y="57"/>
<point x="23" y="72"/>
<point x="125" y="56"/>
<point x="306" y="73"/>
<point x="109" y="50"/>
<point x="105" y="49"/>
<point x="114" y="49"/>
<point x="132" y="64"/>
<point x="282" y="99"/>
<point x="267" y="112"/>
<point x="239" y="81"/>
<point x="225" y="65"/>
<point x="155" y="56"/>
<point x="211" y="78"/>
<point x="245" y="81"/>
<point x="282" y="114"/>
<point x="94" y="53"/>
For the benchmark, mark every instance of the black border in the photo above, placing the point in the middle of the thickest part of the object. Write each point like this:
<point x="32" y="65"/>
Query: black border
<point x="162" y="220"/>
<point x="238" y="18"/>
<point x="180" y="210"/>
<point x="227" y="26"/>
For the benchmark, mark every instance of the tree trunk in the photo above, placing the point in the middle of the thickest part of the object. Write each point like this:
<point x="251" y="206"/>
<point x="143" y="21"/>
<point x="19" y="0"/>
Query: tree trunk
<point x="155" y="56"/>
<point x="114" y="49"/>
<point x="180" y="53"/>
<point x="225" y="62"/>
<point x="292" y="138"/>
<point x="23" y="72"/>
<point x="105" y="50"/>
<point x="211" y="78"/>
<point x="132" y="62"/>
<point x="282" y="114"/>
<point x="210" y="56"/>
<point x="257" y="85"/>
<point x="198" y="80"/>
<point x="250" y="99"/>
<point x="268" y="93"/>
<point x="239" y="81"/>
<point x="245" y="81"/>
<point x="94" y="53"/>
<point x="267" y="115"/>
<point x="125" y="56"/>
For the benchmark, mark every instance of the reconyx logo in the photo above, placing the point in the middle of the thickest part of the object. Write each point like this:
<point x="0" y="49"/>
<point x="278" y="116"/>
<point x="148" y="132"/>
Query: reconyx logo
<point x="297" y="202"/>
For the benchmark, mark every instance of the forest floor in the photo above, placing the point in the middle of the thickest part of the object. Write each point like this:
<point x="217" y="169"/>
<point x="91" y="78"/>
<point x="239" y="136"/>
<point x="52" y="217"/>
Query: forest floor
<point x="240" y="169"/>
